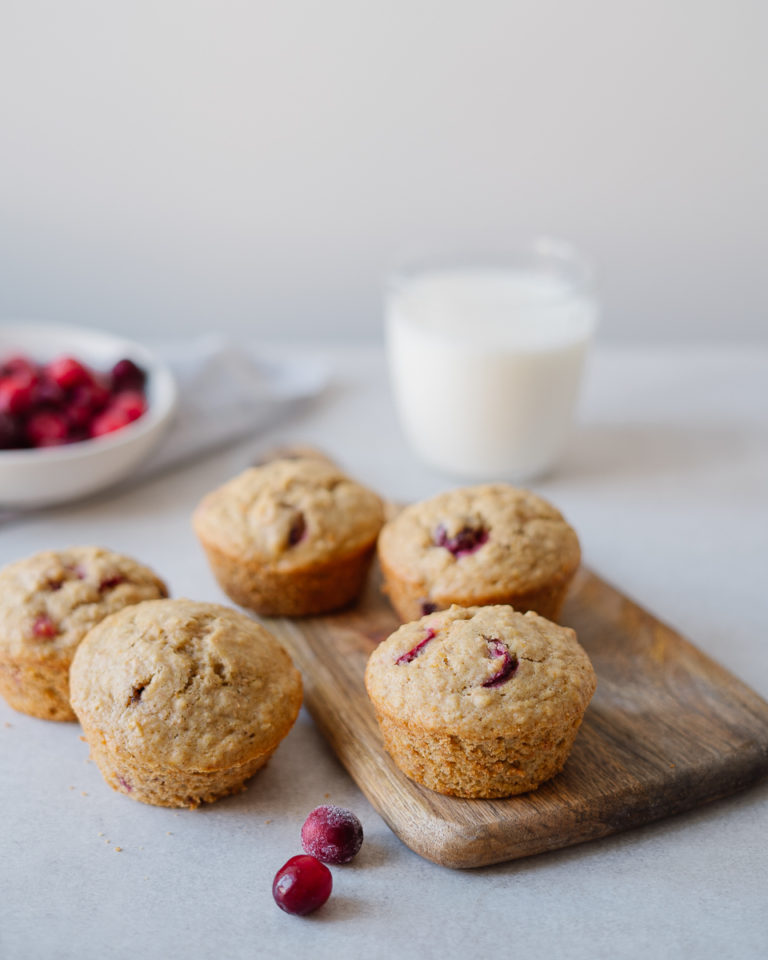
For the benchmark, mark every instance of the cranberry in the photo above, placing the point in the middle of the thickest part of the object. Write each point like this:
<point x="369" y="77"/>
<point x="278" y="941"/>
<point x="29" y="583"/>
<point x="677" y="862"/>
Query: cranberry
<point x="9" y="432"/>
<point x="87" y="400"/>
<point x="44" y="627"/>
<point x="131" y="403"/>
<point x="427" y="607"/>
<point x="110" y="583"/>
<point x="68" y="372"/>
<point x="16" y="393"/>
<point x="19" y="364"/>
<point x="47" y="393"/>
<point x="467" y="540"/>
<point x="47" y="429"/>
<point x="298" y="530"/>
<point x="113" y="418"/>
<point x="302" y="885"/>
<point x="508" y="667"/>
<point x="415" y="651"/>
<point x="332" y="834"/>
<point x="126" y="375"/>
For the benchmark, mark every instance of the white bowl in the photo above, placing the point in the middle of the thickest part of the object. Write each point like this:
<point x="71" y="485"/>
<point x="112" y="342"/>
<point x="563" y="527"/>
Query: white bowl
<point x="51" y="475"/>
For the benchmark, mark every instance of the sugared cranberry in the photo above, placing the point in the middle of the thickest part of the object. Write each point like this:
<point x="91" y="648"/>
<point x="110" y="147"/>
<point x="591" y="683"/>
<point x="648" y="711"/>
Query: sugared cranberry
<point x="126" y="375"/>
<point x="302" y="885"/>
<point x="44" y="627"/>
<point x="415" y="651"/>
<point x="67" y="372"/>
<point x="467" y="540"/>
<point x="298" y="530"/>
<point x="508" y="666"/>
<point x="332" y="834"/>
<point x="47" y="429"/>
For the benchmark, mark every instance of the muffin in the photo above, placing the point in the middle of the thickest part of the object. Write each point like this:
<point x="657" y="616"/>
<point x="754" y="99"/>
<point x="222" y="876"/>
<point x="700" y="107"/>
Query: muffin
<point x="480" y="702"/>
<point x="489" y="544"/>
<point x="182" y="702"/>
<point x="291" y="538"/>
<point x="48" y="603"/>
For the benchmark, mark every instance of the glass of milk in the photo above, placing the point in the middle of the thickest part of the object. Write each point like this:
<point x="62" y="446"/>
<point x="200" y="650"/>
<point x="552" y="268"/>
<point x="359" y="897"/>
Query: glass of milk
<point x="486" y="356"/>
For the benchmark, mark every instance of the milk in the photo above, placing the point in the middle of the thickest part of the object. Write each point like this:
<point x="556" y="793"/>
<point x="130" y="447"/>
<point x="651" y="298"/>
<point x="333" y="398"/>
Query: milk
<point x="485" y="365"/>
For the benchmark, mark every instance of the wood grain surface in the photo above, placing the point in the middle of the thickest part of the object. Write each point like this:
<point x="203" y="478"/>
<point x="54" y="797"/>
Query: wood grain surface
<point x="668" y="729"/>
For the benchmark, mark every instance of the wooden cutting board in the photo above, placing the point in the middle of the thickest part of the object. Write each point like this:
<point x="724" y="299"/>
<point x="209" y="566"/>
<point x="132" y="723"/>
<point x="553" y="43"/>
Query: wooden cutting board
<point x="668" y="729"/>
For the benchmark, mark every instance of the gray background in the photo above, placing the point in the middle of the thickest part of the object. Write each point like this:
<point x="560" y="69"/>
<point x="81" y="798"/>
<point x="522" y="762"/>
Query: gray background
<point x="257" y="167"/>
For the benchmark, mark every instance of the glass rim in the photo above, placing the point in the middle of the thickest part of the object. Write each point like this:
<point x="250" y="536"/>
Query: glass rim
<point x="571" y="265"/>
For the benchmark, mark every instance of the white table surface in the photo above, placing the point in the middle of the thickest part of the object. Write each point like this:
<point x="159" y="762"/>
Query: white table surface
<point x="666" y="482"/>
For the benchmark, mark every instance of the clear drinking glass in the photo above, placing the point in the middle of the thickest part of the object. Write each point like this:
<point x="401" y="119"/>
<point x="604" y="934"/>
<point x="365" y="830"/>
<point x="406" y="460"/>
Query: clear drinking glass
<point x="486" y="355"/>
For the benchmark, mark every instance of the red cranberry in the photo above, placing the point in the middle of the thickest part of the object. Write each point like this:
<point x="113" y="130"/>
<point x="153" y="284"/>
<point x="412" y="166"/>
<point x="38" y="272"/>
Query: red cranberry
<point x="302" y="885"/>
<point x="9" y="432"/>
<point x="126" y="375"/>
<point x="298" y="530"/>
<point x="113" y="418"/>
<point x="16" y="393"/>
<point x="332" y="834"/>
<point x="44" y="627"/>
<point x="19" y="364"/>
<point x="508" y="666"/>
<point x="68" y="372"/>
<point x="427" y="607"/>
<point x="109" y="583"/>
<point x="131" y="403"/>
<point x="47" y="429"/>
<point x="47" y="393"/>
<point x="412" y="654"/>
<point x="467" y="540"/>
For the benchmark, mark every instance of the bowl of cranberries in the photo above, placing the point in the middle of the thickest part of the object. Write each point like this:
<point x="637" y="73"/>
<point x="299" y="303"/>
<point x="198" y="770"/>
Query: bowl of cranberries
<point x="79" y="410"/>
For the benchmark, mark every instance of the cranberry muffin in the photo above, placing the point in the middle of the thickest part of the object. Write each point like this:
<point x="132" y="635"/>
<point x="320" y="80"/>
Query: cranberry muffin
<point x="48" y="603"/>
<point x="480" y="702"/>
<point x="291" y="538"/>
<point x="182" y="702"/>
<point x="488" y="544"/>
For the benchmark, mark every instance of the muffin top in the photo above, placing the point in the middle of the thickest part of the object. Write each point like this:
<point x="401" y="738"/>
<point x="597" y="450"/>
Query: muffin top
<point x="290" y="513"/>
<point x="480" y="672"/>
<point x="48" y="602"/>
<point x="190" y="685"/>
<point x="487" y="538"/>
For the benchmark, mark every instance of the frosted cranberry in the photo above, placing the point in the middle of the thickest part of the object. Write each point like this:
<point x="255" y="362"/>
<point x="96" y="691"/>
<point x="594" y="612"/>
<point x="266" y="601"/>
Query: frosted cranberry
<point x="44" y="627"/>
<point x="131" y="403"/>
<point x="467" y="540"/>
<point x="415" y="651"/>
<point x="68" y="372"/>
<point x="47" y="428"/>
<point x="126" y="375"/>
<point x="332" y="834"/>
<point x="508" y="665"/>
<point x="16" y="393"/>
<point x="302" y="885"/>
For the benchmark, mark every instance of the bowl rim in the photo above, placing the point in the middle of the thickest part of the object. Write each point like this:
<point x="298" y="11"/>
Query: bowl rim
<point x="163" y="403"/>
